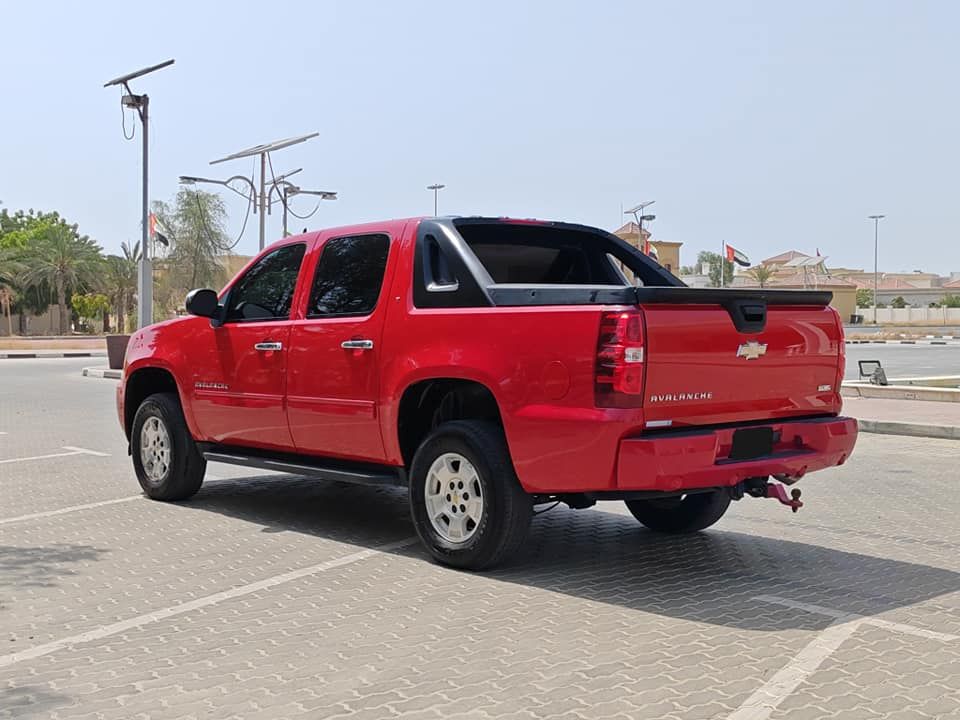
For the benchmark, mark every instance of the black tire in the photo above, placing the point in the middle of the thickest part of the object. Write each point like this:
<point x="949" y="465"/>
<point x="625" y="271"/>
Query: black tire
<point x="507" y="509"/>
<point x="679" y="515"/>
<point x="183" y="475"/>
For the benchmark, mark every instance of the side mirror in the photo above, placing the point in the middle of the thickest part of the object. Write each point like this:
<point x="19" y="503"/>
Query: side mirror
<point x="203" y="303"/>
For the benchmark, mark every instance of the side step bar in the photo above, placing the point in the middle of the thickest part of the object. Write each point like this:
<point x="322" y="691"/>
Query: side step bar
<point x="325" y="468"/>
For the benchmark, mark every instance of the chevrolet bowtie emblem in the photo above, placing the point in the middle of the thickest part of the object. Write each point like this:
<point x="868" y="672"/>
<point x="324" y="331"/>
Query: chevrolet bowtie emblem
<point x="751" y="350"/>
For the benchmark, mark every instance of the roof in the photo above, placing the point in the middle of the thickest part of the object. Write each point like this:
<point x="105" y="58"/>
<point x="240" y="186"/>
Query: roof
<point x="886" y="284"/>
<point x="631" y="228"/>
<point x="953" y="284"/>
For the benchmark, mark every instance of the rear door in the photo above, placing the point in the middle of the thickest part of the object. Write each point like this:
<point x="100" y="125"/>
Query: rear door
<point x="333" y="373"/>
<point x="239" y="368"/>
<point x="701" y="369"/>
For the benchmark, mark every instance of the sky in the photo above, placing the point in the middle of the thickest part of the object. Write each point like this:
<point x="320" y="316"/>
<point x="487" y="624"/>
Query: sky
<point x="769" y="126"/>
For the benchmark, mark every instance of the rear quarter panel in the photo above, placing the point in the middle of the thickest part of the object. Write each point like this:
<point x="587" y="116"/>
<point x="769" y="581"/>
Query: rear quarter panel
<point x="538" y="362"/>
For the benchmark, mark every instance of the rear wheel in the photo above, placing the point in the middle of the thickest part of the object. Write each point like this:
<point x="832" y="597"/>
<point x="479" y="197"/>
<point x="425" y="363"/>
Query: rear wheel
<point x="166" y="459"/>
<point x="682" y="514"/>
<point x="467" y="504"/>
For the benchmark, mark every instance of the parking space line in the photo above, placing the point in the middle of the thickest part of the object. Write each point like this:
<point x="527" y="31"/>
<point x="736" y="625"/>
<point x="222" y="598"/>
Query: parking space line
<point x="40" y="457"/>
<point x="85" y="451"/>
<point x="761" y="704"/>
<point x="765" y="699"/>
<point x="70" y="451"/>
<point x="203" y="602"/>
<point x="830" y="612"/>
<point x="70" y="509"/>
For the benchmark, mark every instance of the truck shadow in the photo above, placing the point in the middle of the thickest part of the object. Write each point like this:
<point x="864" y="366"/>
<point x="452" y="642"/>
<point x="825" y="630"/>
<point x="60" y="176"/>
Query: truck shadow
<point x="713" y="577"/>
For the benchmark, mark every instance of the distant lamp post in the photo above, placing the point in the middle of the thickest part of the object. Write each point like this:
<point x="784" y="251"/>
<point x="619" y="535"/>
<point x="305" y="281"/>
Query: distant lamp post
<point x="436" y="192"/>
<point x="876" y="275"/>
<point x="288" y="190"/>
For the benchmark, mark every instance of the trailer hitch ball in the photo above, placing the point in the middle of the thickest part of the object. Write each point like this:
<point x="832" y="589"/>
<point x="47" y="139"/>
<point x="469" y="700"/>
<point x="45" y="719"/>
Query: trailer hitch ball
<point x="779" y="492"/>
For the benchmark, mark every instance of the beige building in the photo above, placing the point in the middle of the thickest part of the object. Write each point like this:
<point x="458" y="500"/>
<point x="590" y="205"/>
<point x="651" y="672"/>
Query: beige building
<point x="668" y="253"/>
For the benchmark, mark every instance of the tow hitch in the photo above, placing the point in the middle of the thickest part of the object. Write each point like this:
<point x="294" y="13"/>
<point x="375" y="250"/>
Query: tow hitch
<point x="780" y="493"/>
<point x="758" y="487"/>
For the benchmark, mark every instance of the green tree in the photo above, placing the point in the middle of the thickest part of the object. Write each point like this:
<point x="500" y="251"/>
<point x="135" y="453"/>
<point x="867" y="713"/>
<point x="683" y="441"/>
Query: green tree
<point x="898" y="302"/>
<point x="195" y="225"/>
<point x="950" y="301"/>
<point x="761" y="273"/>
<point x="56" y="254"/>
<point x="716" y="262"/>
<point x="90" y="306"/>
<point x="120" y="282"/>
<point x="864" y="298"/>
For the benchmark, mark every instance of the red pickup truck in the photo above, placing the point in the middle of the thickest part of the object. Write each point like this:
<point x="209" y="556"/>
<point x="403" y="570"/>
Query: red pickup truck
<point x="490" y="366"/>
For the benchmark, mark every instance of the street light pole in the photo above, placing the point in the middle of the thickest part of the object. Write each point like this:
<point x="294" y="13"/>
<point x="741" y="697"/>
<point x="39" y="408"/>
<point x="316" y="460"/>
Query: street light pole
<point x="145" y="276"/>
<point x="263" y="199"/>
<point x="876" y="274"/>
<point x="141" y="104"/>
<point x="436" y="192"/>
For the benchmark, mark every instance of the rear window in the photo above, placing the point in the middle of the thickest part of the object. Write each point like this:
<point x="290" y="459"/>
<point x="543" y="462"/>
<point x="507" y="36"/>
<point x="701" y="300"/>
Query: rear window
<point x="530" y="254"/>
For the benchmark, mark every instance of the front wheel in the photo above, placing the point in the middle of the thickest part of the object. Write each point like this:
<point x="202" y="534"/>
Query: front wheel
<point x="682" y="514"/>
<point x="166" y="459"/>
<point x="467" y="504"/>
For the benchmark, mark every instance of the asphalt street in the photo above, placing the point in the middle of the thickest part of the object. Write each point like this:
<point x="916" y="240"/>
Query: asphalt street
<point x="277" y="596"/>
<point x="906" y="360"/>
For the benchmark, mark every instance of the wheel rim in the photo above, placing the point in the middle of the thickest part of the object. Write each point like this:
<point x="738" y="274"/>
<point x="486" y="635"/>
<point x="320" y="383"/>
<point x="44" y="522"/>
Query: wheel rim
<point x="454" y="498"/>
<point x="155" y="449"/>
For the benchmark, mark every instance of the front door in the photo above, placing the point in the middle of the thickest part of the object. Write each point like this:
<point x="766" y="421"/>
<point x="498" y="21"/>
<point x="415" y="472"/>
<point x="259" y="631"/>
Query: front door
<point x="240" y="377"/>
<point x="334" y="364"/>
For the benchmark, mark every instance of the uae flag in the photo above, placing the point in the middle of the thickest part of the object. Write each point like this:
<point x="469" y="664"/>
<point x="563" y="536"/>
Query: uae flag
<point x="155" y="231"/>
<point x="734" y="255"/>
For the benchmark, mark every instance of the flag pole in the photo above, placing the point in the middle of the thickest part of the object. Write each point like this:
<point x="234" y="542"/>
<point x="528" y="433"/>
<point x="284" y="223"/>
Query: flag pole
<point x="723" y="259"/>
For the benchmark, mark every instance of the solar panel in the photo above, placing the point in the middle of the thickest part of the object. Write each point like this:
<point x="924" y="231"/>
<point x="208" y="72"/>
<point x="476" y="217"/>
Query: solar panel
<point x="268" y="147"/>
<point x="124" y="79"/>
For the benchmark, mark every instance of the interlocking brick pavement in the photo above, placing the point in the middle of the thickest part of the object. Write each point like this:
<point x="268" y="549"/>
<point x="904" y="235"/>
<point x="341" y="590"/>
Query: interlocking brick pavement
<point x="597" y="618"/>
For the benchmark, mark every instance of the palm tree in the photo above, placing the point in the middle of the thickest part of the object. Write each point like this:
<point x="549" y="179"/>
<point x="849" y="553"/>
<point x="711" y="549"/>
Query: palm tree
<point x="761" y="273"/>
<point x="7" y="298"/>
<point x="120" y="281"/>
<point x="64" y="260"/>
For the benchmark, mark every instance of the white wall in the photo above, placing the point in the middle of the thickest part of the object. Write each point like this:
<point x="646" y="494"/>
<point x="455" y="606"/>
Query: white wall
<point x="932" y="316"/>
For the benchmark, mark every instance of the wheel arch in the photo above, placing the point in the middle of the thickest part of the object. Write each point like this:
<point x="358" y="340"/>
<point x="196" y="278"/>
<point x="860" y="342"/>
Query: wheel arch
<point x="144" y="382"/>
<point x="428" y="402"/>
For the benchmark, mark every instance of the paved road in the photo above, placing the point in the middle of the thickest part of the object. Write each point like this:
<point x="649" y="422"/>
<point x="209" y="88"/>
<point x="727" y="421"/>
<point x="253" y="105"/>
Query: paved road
<point x="275" y="597"/>
<point x="906" y="360"/>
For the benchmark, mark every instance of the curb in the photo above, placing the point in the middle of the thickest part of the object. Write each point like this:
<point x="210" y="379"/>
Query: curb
<point x="889" y="427"/>
<point x="17" y="355"/>
<point x="102" y="373"/>
<point x="901" y="342"/>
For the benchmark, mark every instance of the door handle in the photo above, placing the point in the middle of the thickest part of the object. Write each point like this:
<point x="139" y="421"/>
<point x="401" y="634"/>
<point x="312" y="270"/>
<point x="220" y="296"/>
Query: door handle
<point x="268" y="346"/>
<point x="357" y="344"/>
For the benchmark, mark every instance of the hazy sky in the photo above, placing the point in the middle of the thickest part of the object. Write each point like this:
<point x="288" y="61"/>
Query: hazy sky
<point x="769" y="125"/>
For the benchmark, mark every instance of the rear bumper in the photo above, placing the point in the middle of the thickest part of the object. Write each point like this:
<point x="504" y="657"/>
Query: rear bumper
<point x="698" y="458"/>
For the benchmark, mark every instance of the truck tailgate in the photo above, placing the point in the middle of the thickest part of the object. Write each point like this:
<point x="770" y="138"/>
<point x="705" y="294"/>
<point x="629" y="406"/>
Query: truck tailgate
<point x="702" y="370"/>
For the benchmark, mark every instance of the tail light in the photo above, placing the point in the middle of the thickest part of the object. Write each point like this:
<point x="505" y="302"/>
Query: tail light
<point x="618" y="380"/>
<point x="841" y="357"/>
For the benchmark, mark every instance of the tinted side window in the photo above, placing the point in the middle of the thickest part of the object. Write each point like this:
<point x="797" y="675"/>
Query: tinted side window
<point x="349" y="276"/>
<point x="265" y="292"/>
